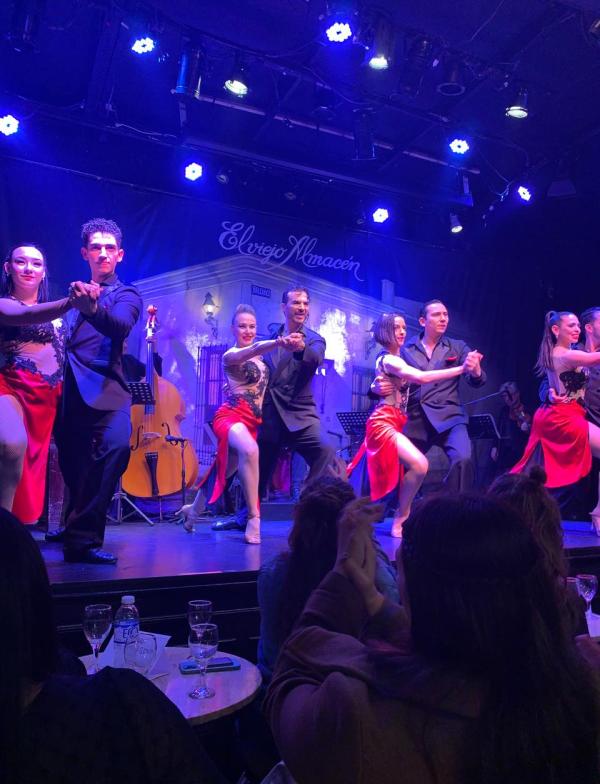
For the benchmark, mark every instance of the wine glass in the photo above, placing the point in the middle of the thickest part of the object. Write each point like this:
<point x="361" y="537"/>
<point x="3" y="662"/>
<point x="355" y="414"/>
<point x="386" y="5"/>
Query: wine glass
<point x="587" y="585"/>
<point x="203" y="640"/>
<point x="140" y="652"/>
<point x="199" y="611"/>
<point x="97" y="622"/>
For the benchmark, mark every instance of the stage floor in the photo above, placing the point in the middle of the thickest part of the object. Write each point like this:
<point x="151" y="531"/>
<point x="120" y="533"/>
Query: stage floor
<point x="166" y="550"/>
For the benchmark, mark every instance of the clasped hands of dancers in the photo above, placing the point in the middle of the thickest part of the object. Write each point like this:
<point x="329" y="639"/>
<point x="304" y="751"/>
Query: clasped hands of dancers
<point x="269" y="398"/>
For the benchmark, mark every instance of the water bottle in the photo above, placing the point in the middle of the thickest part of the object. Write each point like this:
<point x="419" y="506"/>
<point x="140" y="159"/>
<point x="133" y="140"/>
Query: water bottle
<point x="126" y="627"/>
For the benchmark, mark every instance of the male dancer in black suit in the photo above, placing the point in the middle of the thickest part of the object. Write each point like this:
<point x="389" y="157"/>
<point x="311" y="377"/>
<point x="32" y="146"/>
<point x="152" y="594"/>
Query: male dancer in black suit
<point x="289" y="410"/>
<point x="435" y="414"/>
<point x="95" y="423"/>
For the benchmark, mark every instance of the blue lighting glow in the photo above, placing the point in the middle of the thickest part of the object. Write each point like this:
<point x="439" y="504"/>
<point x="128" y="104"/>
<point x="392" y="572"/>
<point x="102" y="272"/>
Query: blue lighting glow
<point x="143" y="45"/>
<point x="524" y="193"/>
<point x="380" y="215"/>
<point x="338" y="32"/>
<point x="8" y="125"/>
<point x="193" y="171"/>
<point x="459" y="146"/>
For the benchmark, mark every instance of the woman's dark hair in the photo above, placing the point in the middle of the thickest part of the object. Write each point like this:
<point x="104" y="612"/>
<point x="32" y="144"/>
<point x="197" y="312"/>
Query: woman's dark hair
<point x="29" y="650"/>
<point x="526" y="494"/>
<point x="6" y="284"/>
<point x="544" y="360"/>
<point x="482" y="604"/>
<point x="383" y="329"/>
<point x="313" y="545"/>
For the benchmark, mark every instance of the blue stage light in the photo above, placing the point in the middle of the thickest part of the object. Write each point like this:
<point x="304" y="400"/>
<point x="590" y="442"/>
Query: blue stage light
<point x="143" y="45"/>
<point x="380" y="215"/>
<point x="193" y="171"/>
<point x="338" y="32"/>
<point x="379" y="62"/>
<point x="455" y="225"/>
<point x="459" y="146"/>
<point x="524" y="193"/>
<point x="8" y="125"/>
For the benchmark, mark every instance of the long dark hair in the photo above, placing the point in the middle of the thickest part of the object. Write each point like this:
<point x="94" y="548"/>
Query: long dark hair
<point x="6" y="284"/>
<point x="313" y="545"/>
<point x="482" y="604"/>
<point x="29" y="652"/>
<point x="544" y="359"/>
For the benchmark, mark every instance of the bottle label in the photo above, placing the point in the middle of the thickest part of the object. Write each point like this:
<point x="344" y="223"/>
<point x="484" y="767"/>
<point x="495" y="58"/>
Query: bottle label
<point x="125" y="631"/>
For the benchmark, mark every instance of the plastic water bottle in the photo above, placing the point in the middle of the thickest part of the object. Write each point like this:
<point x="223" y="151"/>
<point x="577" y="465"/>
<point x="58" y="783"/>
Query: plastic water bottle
<point x="126" y="627"/>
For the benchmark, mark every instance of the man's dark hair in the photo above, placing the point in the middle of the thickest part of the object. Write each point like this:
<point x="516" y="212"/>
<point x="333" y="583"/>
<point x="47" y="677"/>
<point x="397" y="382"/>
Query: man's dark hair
<point x="103" y="225"/>
<point x="284" y="296"/>
<point x="423" y="311"/>
<point x="588" y="316"/>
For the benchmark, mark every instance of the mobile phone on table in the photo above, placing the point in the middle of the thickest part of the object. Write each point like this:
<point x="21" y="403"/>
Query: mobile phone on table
<point x="218" y="664"/>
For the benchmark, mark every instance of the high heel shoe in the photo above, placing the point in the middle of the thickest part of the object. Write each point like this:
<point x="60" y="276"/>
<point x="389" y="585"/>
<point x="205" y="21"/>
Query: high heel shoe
<point x="189" y="518"/>
<point x="252" y="532"/>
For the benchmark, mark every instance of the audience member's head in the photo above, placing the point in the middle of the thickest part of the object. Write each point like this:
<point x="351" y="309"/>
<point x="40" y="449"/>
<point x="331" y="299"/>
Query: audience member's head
<point x="28" y="654"/>
<point x="313" y="543"/>
<point x="526" y="494"/>
<point x="481" y="603"/>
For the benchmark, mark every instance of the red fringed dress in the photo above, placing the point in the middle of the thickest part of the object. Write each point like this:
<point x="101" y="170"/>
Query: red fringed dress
<point x="387" y="420"/>
<point x="31" y="367"/>
<point x="559" y="439"/>
<point x="246" y="386"/>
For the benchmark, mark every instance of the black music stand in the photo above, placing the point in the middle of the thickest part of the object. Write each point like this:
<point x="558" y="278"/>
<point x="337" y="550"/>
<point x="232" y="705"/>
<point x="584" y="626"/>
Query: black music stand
<point x="353" y="424"/>
<point x="142" y="394"/>
<point x="482" y="426"/>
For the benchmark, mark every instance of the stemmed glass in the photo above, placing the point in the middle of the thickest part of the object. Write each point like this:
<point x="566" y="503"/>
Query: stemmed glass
<point x="587" y="585"/>
<point x="203" y="640"/>
<point x="97" y="621"/>
<point x="199" y="611"/>
<point x="140" y="652"/>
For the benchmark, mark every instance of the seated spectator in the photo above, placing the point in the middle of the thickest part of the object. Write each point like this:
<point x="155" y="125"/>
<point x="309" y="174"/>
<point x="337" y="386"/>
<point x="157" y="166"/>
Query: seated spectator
<point x="488" y="688"/>
<point x="114" y="726"/>
<point x="286" y="581"/>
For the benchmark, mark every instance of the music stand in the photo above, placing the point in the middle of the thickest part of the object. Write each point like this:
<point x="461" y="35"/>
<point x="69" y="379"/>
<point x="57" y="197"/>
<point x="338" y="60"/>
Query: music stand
<point x="482" y="426"/>
<point x="353" y="424"/>
<point x="142" y="394"/>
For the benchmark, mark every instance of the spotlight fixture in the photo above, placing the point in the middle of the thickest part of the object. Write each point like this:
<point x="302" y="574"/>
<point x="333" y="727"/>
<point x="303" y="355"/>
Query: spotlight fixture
<point x="364" y="143"/>
<point x="237" y="84"/>
<point x="380" y="55"/>
<point x="380" y="215"/>
<point x="325" y="103"/>
<point x="338" y="20"/>
<point x="452" y="83"/>
<point x="290" y="195"/>
<point x="193" y="171"/>
<point x="143" y="45"/>
<point x="223" y="176"/>
<point x="25" y="24"/>
<point x="455" y="225"/>
<point x="191" y="64"/>
<point x="8" y="125"/>
<point x="519" y="107"/>
<point x="459" y="146"/>
<point x="418" y="59"/>
<point x="524" y="193"/>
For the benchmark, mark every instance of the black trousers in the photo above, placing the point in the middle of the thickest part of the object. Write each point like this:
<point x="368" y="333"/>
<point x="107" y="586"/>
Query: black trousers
<point x="457" y="446"/>
<point x="93" y="453"/>
<point x="274" y="435"/>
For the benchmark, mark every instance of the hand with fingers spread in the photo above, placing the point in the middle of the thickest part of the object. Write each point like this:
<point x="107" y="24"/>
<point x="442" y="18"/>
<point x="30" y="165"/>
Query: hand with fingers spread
<point x="356" y="557"/>
<point x="382" y="386"/>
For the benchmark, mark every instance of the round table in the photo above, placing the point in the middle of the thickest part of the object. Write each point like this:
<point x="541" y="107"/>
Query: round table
<point x="233" y="688"/>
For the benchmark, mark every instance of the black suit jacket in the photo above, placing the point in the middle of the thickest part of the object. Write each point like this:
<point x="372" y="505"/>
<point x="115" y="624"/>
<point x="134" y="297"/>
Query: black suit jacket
<point x="94" y="347"/>
<point x="438" y="402"/>
<point x="290" y="380"/>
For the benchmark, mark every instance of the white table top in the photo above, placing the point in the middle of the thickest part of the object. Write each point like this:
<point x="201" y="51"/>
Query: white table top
<point x="233" y="688"/>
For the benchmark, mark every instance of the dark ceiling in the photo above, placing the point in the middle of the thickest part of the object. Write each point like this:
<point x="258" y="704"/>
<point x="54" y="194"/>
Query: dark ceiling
<point x="101" y="108"/>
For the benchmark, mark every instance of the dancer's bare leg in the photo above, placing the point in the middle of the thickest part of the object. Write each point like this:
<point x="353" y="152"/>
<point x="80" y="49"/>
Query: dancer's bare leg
<point x="416" y="465"/>
<point x="595" y="447"/>
<point x="247" y="454"/>
<point x="191" y="512"/>
<point x="13" y="443"/>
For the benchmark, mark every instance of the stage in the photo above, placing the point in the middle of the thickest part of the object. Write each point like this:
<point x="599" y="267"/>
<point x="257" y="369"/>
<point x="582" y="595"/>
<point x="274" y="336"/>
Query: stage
<point x="164" y="567"/>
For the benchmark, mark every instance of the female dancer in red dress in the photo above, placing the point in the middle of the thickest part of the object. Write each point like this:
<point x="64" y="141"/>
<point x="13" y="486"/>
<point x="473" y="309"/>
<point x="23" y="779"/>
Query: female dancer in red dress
<point x="237" y="421"/>
<point x="388" y="451"/>
<point x="561" y="438"/>
<point x="31" y="359"/>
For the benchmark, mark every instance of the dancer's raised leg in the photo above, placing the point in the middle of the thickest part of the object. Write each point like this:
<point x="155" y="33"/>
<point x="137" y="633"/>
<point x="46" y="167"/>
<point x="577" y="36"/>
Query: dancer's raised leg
<point x="416" y="465"/>
<point x="247" y="453"/>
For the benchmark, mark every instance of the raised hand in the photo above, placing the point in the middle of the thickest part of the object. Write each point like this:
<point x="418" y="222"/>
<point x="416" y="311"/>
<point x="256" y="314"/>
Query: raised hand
<point x="294" y="342"/>
<point x="84" y="296"/>
<point x="472" y="363"/>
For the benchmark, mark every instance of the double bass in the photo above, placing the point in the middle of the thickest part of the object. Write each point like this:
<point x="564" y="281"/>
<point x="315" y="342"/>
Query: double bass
<point x="155" y="464"/>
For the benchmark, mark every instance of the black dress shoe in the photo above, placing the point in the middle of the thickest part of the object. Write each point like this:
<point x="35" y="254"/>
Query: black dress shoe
<point x="93" y="556"/>
<point x="228" y="525"/>
<point x="55" y="536"/>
